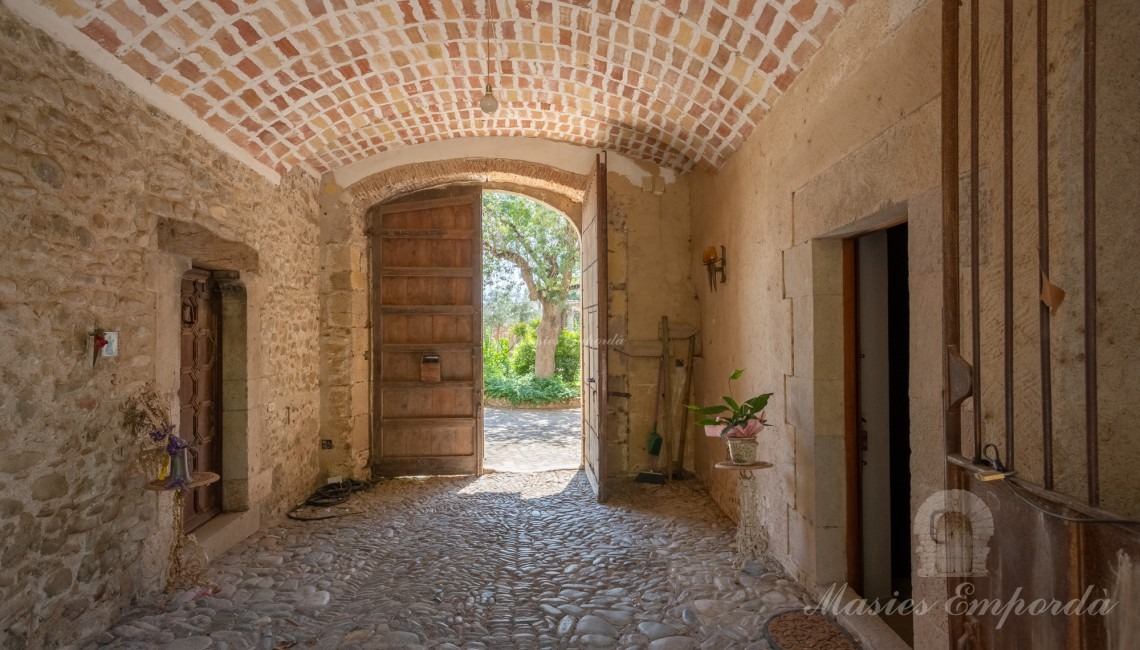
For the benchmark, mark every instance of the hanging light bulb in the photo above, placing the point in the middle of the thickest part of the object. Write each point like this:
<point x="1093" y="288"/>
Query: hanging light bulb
<point x="488" y="103"/>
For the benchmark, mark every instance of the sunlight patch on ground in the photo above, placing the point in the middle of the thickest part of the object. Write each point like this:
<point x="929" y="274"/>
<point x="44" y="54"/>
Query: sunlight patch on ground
<point x="537" y="486"/>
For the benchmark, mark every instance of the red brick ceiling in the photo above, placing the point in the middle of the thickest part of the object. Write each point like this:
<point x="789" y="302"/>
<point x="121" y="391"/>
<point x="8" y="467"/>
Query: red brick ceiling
<point x="328" y="82"/>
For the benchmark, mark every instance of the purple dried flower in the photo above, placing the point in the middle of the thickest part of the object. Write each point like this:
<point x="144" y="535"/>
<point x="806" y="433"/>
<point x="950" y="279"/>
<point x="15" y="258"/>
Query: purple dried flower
<point x="175" y="444"/>
<point x="158" y="435"/>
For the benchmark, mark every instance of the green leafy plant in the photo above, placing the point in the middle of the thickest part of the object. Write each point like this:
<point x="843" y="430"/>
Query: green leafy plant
<point x="737" y="419"/>
<point x="528" y="389"/>
<point x="509" y="373"/>
<point x="568" y="356"/>
<point x="496" y="356"/>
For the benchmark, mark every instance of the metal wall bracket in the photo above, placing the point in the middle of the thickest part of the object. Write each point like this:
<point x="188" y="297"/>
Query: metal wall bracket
<point x="961" y="377"/>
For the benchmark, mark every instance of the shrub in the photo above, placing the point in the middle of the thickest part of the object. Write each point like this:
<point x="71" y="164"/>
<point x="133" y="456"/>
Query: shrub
<point x="567" y="356"/>
<point x="523" y="356"/>
<point x="509" y="374"/>
<point x="529" y="389"/>
<point x="496" y="357"/>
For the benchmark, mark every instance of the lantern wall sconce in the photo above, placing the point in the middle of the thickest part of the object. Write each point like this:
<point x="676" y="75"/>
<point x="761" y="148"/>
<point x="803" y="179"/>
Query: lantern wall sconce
<point x="715" y="265"/>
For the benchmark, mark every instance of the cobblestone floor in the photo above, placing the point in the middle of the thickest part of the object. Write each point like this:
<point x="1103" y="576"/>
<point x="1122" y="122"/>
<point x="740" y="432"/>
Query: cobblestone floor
<point x="502" y="561"/>
<point x="531" y="440"/>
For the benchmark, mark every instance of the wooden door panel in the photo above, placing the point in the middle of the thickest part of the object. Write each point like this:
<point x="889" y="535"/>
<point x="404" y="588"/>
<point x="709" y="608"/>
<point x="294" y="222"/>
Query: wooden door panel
<point x="404" y="365"/>
<point x="199" y="392"/>
<point x="426" y="291"/>
<point x="444" y="401"/>
<point x="407" y="252"/>
<point x="428" y="328"/>
<point x="595" y="298"/>
<point x="427" y="269"/>
<point x="440" y="218"/>
<point x="426" y="438"/>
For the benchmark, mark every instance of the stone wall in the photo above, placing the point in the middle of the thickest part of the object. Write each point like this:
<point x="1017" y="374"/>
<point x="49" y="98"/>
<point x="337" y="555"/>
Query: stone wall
<point x="649" y="278"/>
<point x="854" y="146"/>
<point x="88" y="170"/>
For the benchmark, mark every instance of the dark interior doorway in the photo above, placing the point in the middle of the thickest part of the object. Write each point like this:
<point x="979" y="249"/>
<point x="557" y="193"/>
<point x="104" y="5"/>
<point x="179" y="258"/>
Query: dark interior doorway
<point x="199" y="391"/>
<point x="882" y="364"/>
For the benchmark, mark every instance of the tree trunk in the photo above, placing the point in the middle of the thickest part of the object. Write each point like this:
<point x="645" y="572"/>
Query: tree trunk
<point x="548" y="330"/>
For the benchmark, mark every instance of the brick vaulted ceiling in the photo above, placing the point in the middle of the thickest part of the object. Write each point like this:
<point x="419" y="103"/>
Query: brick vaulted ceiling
<point x="327" y="82"/>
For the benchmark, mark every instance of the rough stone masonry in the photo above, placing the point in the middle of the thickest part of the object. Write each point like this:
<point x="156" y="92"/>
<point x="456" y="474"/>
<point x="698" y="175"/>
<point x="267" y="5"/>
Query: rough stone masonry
<point x="87" y="171"/>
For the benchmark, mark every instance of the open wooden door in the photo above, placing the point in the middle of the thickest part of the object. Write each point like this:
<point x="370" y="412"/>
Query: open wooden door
<point x="427" y="334"/>
<point x="594" y="327"/>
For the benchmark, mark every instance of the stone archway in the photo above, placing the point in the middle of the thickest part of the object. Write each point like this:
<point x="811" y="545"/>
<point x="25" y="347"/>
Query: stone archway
<point x="345" y="329"/>
<point x="558" y="188"/>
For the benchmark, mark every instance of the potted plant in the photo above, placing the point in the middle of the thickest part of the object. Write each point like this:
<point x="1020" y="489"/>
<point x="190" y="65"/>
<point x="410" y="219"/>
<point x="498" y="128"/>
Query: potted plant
<point x="736" y="422"/>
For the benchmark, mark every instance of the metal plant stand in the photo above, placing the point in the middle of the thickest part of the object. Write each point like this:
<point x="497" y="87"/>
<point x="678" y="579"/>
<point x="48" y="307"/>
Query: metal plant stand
<point x="749" y="545"/>
<point x="185" y="567"/>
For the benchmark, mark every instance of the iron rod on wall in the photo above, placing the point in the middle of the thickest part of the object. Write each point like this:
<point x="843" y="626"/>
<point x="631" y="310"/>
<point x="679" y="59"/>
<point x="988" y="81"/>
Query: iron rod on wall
<point x="951" y="328"/>
<point x="975" y="274"/>
<point x="1007" y="210"/>
<point x="1091" y="425"/>
<point x="1043" y="235"/>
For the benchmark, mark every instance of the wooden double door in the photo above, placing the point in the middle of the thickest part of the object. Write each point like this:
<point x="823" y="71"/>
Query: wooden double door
<point x="427" y="277"/>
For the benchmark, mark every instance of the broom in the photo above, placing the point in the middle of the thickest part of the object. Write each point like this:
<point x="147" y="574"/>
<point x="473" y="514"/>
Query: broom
<point x="653" y="446"/>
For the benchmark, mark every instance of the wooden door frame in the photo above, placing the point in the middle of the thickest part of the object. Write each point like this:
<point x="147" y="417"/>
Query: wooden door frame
<point x="595" y="388"/>
<point x="854" y="500"/>
<point x="851" y="419"/>
<point x="602" y="218"/>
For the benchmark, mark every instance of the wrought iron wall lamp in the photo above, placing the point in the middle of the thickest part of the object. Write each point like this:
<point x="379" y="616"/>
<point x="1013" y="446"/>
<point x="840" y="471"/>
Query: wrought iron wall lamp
<point x="715" y="265"/>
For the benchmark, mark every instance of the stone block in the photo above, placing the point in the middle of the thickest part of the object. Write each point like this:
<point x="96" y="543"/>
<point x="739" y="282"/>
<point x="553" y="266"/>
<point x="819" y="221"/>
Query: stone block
<point x="799" y="403"/>
<point x="830" y="481"/>
<point x="827" y="266"/>
<point x="831" y="554"/>
<point x="828" y="407"/>
<point x="827" y="333"/>
<point x="803" y="336"/>
<point x="797" y="271"/>
<point x="801" y="546"/>
<point x="804" y="497"/>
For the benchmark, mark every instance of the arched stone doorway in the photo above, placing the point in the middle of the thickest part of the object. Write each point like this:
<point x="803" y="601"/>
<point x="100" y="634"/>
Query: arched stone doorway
<point x="347" y="392"/>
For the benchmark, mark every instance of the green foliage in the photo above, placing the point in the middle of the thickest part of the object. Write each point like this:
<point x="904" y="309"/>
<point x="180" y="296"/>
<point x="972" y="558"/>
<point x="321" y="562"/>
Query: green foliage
<point x="528" y="389"/>
<point x="509" y="374"/>
<point x="524" y="236"/>
<point x="568" y="356"/>
<point x="733" y="414"/>
<point x="496" y="356"/>
<point x="523" y="355"/>
<point x="505" y="303"/>
<point x="522" y="359"/>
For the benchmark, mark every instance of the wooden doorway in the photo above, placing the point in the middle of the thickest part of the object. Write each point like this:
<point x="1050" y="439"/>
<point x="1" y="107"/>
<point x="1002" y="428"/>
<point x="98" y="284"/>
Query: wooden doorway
<point x="199" y="392"/>
<point x="427" y="333"/>
<point x="878" y="325"/>
<point x="595" y="315"/>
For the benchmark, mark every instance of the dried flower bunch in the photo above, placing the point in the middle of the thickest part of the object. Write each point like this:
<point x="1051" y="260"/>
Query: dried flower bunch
<point x="147" y="418"/>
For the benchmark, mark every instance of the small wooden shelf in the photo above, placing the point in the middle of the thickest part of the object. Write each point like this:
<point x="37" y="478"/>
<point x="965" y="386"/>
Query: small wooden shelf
<point x="724" y="464"/>
<point x="199" y="479"/>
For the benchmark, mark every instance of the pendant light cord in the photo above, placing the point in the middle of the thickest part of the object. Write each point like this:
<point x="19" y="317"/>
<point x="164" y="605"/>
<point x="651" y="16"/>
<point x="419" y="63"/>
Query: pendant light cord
<point x="487" y="40"/>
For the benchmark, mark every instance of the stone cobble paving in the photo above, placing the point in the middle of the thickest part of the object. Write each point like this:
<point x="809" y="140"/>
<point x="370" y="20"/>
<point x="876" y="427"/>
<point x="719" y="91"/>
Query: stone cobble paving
<point x="531" y="440"/>
<point x="502" y="561"/>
